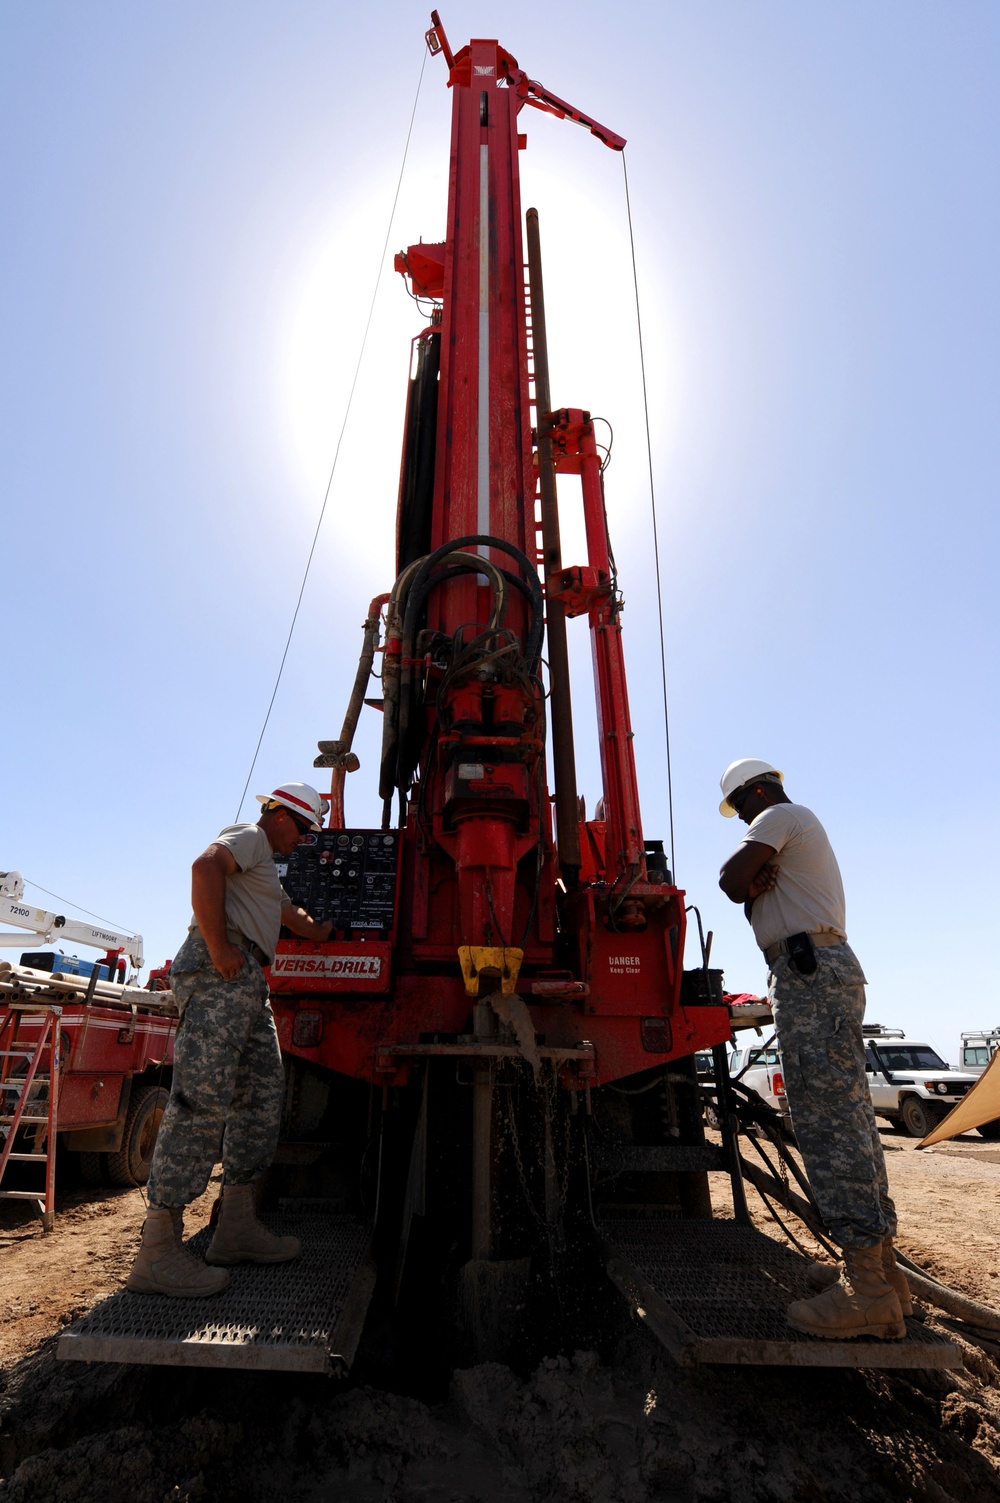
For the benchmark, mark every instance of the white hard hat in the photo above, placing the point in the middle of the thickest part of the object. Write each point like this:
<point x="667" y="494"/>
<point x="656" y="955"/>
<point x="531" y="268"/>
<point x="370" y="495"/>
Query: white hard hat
<point x="302" y="799"/>
<point x="738" y="773"/>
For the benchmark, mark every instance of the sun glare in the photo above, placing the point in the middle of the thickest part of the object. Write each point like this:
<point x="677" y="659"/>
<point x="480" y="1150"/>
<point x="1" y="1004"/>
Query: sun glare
<point x="592" y="337"/>
<point x="323" y="421"/>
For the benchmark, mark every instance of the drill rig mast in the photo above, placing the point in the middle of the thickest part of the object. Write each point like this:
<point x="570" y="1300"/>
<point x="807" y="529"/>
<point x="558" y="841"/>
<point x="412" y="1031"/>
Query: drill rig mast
<point x="519" y="960"/>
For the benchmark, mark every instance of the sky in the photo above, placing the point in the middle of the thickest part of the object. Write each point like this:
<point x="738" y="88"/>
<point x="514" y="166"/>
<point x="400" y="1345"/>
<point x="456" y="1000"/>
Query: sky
<point x="200" y="320"/>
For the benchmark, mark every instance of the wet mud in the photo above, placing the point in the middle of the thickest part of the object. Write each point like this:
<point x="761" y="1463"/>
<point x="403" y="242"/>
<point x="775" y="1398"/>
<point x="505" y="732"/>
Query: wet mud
<point x="635" y="1428"/>
<point x="626" y="1425"/>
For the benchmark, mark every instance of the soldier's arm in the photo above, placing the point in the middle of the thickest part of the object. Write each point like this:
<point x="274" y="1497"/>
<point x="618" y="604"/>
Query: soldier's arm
<point x="303" y="924"/>
<point x="208" y="900"/>
<point x="748" y="872"/>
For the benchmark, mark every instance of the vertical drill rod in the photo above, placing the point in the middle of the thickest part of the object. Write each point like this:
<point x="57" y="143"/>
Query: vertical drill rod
<point x="563" y="759"/>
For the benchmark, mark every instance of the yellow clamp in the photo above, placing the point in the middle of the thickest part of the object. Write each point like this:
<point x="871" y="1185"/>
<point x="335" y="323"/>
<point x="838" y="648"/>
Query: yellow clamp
<point x="477" y="958"/>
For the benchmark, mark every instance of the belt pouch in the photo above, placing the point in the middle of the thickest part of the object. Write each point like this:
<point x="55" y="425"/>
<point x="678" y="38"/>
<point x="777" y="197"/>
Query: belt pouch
<point x="801" y="953"/>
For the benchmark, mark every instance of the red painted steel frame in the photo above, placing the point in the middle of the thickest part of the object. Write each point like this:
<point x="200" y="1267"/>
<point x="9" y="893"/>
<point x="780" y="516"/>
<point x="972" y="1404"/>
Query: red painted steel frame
<point x="591" y="589"/>
<point x="484" y="479"/>
<point x="478" y="864"/>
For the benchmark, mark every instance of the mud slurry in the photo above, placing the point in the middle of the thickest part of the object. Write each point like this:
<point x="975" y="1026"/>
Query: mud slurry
<point x="636" y="1429"/>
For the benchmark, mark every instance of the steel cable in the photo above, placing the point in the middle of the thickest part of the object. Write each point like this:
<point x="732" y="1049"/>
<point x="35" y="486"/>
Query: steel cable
<point x="68" y="904"/>
<point x="652" y="508"/>
<point x="340" y="439"/>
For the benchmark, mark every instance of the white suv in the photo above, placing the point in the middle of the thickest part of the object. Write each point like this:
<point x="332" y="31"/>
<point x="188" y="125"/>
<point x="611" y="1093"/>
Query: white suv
<point x="910" y="1083"/>
<point x="978" y="1048"/>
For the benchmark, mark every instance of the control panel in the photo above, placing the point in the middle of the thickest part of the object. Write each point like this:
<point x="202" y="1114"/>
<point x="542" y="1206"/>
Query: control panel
<point x="348" y="876"/>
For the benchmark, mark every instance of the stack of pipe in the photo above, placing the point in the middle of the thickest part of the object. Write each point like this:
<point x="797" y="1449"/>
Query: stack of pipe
<point x="24" y="983"/>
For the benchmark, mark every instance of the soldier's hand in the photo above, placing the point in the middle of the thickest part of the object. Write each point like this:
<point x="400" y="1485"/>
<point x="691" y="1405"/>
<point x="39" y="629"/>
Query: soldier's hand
<point x="763" y="881"/>
<point x="323" y="931"/>
<point x="228" y="960"/>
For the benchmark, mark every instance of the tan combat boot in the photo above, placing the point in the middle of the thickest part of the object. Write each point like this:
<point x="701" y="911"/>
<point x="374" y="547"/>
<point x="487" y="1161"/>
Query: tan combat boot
<point x="896" y="1277"/>
<point x="822" y="1275"/>
<point x="241" y="1238"/>
<point x="866" y="1305"/>
<point x="164" y="1265"/>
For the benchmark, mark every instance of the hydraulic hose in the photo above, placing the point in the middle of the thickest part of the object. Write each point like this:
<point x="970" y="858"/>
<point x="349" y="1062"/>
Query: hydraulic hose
<point x="416" y="594"/>
<point x="533" y="644"/>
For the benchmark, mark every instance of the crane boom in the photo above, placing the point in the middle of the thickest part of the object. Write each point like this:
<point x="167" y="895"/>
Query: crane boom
<point x="38" y="926"/>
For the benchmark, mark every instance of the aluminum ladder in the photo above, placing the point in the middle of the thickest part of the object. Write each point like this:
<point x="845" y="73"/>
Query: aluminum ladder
<point x="29" y="1087"/>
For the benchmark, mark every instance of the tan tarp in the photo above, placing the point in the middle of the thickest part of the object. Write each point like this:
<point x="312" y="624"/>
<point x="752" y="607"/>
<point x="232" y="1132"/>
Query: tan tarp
<point x="982" y="1104"/>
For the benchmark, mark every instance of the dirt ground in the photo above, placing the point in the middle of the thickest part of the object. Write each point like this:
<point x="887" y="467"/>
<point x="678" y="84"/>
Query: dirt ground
<point x="625" y="1425"/>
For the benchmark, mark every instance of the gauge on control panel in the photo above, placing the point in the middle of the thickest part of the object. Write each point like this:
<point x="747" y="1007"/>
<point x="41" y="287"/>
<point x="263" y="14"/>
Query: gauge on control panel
<point x="348" y="876"/>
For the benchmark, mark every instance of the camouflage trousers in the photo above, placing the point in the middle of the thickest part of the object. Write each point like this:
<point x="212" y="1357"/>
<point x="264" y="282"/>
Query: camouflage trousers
<point x="228" y="1081"/>
<point x="818" y="1021"/>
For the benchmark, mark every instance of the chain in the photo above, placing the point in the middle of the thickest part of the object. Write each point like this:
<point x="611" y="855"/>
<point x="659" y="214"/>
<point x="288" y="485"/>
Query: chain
<point x="515" y="1143"/>
<point x="567" y="1152"/>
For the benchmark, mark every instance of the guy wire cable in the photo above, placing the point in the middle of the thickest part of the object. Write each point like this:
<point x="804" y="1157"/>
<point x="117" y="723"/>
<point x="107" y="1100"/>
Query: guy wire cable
<point x="652" y="508"/>
<point x="68" y="904"/>
<point x="340" y="439"/>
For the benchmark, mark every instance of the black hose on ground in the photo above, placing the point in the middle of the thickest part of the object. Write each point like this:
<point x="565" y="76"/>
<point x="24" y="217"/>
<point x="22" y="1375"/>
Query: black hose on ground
<point x="931" y="1290"/>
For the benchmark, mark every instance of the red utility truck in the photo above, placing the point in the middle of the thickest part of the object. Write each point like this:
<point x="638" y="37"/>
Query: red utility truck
<point x="107" y="1041"/>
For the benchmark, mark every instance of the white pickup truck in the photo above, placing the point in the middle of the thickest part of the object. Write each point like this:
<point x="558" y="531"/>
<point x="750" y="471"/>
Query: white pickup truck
<point x="758" y="1069"/>
<point x="910" y="1083"/>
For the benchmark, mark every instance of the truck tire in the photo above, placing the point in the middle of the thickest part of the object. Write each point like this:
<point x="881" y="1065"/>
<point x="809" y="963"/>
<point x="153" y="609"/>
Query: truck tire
<point x="990" y="1130"/>
<point x="92" y="1170"/>
<point x="131" y="1165"/>
<point x="918" y="1119"/>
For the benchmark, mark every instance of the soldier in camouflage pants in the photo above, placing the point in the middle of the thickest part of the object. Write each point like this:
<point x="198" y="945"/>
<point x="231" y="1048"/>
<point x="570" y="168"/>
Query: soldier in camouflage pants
<point x="786" y="876"/>
<point x="818" y="1021"/>
<point x="228" y="1079"/>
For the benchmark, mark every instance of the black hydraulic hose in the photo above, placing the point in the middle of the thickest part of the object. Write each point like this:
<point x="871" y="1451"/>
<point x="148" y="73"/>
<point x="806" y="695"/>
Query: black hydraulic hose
<point x="416" y="591"/>
<point x="416" y="491"/>
<point x="533" y="644"/>
<point x="388" y="767"/>
<point x="507" y="575"/>
<point x="457" y="569"/>
<point x="729" y="1127"/>
<point x="391" y="692"/>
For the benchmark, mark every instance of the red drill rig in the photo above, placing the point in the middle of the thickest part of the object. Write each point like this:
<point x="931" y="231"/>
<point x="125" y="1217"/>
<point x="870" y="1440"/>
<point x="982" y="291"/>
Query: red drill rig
<point x="496" y="971"/>
<point x="491" y="1083"/>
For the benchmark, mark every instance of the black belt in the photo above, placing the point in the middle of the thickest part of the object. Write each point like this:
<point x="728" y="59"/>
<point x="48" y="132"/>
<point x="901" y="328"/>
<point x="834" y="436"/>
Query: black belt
<point x="235" y="937"/>
<point x="258" y="954"/>
<point x="821" y="941"/>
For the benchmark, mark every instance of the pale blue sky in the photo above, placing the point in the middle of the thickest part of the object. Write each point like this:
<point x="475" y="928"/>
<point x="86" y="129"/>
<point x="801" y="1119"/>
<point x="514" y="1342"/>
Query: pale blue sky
<point x="195" y="198"/>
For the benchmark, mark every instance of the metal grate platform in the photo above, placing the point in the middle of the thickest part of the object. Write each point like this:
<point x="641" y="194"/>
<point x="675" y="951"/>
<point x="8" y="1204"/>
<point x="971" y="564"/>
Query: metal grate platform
<point x="610" y="1158"/>
<point x="304" y="1316"/>
<point x="716" y="1292"/>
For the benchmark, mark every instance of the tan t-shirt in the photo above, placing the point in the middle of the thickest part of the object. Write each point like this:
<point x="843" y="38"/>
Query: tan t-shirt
<point x="254" y="894"/>
<point x="808" y="896"/>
